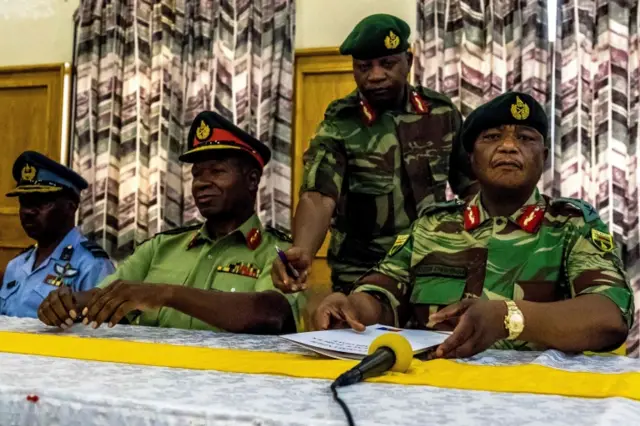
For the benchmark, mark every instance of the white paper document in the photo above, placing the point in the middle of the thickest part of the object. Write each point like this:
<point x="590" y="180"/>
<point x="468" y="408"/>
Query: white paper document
<point x="350" y="344"/>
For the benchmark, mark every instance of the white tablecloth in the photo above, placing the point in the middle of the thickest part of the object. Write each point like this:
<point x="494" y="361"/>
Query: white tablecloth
<point x="73" y="392"/>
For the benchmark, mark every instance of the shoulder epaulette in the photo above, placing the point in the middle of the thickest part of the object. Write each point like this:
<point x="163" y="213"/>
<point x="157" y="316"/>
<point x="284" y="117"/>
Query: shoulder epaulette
<point x="283" y="236"/>
<point x="444" y="205"/>
<point x="339" y="105"/>
<point x="590" y="214"/>
<point x="429" y="94"/>
<point x="95" y="249"/>
<point x="180" y="230"/>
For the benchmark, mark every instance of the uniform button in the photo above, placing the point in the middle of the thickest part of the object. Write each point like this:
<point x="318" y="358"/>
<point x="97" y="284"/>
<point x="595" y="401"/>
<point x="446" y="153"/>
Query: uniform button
<point x="500" y="222"/>
<point x="232" y="290"/>
<point x="209" y="257"/>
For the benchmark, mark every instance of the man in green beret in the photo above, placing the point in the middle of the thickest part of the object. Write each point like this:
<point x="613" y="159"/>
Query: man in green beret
<point x="511" y="268"/>
<point x="381" y="155"/>
<point x="214" y="276"/>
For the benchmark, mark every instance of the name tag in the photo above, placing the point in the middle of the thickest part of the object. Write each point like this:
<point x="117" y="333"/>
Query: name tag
<point x="441" y="271"/>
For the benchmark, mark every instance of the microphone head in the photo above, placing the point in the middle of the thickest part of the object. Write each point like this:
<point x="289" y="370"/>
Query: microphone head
<point x="400" y="347"/>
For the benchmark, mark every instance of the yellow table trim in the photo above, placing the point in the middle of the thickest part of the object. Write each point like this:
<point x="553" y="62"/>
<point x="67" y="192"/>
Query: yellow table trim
<point x="440" y="373"/>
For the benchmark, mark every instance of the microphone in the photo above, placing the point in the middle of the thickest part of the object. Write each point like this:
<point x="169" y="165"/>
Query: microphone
<point x="389" y="351"/>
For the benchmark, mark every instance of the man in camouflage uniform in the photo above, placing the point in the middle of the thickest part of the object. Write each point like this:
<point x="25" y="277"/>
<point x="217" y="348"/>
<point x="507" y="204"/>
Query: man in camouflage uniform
<point x="380" y="156"/>
<point x="511" y="268"/>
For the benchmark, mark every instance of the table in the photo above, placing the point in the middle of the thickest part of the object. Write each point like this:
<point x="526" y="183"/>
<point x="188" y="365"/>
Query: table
<point x="74" y="392"/>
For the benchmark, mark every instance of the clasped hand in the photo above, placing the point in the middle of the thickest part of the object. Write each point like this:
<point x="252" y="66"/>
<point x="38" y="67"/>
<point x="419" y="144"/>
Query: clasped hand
<point x="62" y="307"/>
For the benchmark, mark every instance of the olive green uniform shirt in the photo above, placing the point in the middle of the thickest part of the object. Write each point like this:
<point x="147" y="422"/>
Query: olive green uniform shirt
<point x="238" y="262"/>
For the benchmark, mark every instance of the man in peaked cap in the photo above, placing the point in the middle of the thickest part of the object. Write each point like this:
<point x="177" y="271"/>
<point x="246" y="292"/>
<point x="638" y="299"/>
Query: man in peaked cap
<point x="214" y="276"/>
<point x="381" y="155"/>
<point x="49" y="193"/>
<point x="509" y="269"/>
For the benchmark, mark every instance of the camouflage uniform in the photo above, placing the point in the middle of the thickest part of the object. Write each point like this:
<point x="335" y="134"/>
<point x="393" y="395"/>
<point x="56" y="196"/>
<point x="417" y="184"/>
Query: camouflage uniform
<point x="382" y="170"/>
<point x="548" y="250"/>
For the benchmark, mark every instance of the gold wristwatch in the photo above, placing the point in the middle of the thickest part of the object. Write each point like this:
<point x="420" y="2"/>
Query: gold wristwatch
<point x="514" y="320"/>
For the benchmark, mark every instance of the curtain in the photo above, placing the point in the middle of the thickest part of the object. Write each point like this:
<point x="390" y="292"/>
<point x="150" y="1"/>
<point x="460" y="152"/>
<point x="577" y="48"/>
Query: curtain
<point x="475" y="50"/>
<point x="596" y="144"/>
<point x="143" y="70"/>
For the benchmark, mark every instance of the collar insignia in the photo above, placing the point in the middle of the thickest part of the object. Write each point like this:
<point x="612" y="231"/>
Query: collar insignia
<point x="418" y="103"/>
<point x="531" y="218"/>
<point x="254" y="238"/>
<point x="367" y="112"/>
<point x="471" y="217"/>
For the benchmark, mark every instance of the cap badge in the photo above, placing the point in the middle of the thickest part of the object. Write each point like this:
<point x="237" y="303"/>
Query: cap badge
<point x="519" y="110"/>
<point x="203" y="132"/>
<point x="391" y="41"/>
<point x="28" y="173"/>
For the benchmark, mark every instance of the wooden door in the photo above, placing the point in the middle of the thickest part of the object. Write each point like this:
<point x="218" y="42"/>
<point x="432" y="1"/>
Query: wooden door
<point x="322" y="75"/>
<point x="30" y="119"/>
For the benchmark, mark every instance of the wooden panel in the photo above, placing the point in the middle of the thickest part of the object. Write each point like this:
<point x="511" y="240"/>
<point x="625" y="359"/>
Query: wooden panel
<point x="322" y="76"/>
<point x="31" y="111"/>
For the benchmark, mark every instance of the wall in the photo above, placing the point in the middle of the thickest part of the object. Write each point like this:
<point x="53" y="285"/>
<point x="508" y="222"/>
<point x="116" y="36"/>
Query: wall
<point x="36" y="31"/>
<point x="326" y="23"/>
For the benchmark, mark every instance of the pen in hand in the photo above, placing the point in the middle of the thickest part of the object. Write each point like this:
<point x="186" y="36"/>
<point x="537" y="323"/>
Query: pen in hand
<point x="291" y="271"/>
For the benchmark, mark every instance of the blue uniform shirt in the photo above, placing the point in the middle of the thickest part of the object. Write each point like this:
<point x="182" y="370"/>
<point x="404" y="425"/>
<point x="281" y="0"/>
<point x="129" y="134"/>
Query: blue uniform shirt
<point x="76" y="262"/>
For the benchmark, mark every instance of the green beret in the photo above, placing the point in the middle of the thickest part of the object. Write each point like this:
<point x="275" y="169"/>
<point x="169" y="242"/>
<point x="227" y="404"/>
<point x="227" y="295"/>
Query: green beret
<point x="508" y="108"/>
<point x="376" y="36"/>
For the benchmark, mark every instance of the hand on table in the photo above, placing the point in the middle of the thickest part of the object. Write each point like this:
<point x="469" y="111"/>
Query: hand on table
<point x="300" y="260"/>
<point x="480" y="325"/>
<point x="120" y="298"/>
<point x="337" y="311"/>
<point x="62" y="307"/>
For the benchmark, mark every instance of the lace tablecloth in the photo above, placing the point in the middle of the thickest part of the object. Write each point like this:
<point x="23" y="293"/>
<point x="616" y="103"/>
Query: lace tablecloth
<point x="74" y="392"/>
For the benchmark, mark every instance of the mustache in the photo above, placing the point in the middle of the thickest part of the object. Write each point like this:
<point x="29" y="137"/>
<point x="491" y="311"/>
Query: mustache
<point x="506" y="162"/>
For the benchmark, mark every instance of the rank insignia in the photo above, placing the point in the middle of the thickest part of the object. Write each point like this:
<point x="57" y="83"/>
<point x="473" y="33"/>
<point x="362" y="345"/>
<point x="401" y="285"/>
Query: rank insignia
<point x="254" y="238"/>
<point x="418" y="103"/>
<point x="398" y="244"/>
<point x="368" y="112"/>
<point x="65" y="272"/>
<point x="471" y="217"/>
<point x="28" y="173"/>
<point x="602" y="240"/>
<point x="240" y="268"/>
<point x="195" y="240"/>
<point x="531" y="218"/>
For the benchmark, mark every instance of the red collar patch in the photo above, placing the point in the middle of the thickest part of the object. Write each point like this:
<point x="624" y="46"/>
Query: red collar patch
<point x="254" y="238"/>
<point x="471" y="218"/>
<point x="368" y="113"/>
<point x="531" y="218"/>
<point x="419" y="104"/>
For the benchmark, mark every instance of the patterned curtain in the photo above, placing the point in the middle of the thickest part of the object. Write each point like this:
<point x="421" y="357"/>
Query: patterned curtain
<point x="596" y="145"/>
<point x="474" y="50"/>
<point x="144" y="69"/>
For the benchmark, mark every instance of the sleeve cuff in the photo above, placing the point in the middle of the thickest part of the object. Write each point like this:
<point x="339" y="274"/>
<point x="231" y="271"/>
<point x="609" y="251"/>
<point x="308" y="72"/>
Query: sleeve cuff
<point x="393" y="301"/>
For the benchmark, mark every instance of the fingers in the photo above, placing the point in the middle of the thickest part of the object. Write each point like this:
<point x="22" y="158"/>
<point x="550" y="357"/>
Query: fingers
<point x="97" y="303"/>
<point x="68" y="302"/>
<point x="451" y="311"/>
<point x="283" y="279"/>
<point x="463" y="332"/>
<point x="47" y="315"/>
<point x="280" y="277"/>
<point x="120" y="313"/>
<point x="52" y="310"/>
<point x="350" y="316"/>
<point x="322" y="317"/>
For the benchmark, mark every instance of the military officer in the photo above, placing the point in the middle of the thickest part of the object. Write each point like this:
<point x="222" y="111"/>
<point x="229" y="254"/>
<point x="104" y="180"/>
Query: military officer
<point x="48" y="193"/>
<point x="381" y="155"/>
<point x="214" y="276"/>
<point x="511" y="268"/>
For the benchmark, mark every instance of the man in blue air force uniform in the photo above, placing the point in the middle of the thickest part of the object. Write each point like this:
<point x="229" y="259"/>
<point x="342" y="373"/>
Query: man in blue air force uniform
<point x="49" y="194"/>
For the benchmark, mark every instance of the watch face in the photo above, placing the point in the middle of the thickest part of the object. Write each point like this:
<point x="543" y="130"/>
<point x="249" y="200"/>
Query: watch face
<point x="517" y="321"/>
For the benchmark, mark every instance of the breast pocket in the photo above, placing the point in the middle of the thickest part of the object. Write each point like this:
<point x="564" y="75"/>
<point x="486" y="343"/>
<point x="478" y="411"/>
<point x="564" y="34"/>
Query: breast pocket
<point x="437" y="290"/>
<point x="164" y="275"/>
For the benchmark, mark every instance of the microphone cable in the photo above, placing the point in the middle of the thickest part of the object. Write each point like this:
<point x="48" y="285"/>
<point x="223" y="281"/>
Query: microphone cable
<point x="343" y="405"/>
